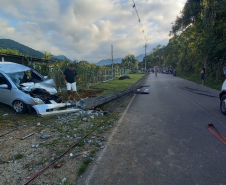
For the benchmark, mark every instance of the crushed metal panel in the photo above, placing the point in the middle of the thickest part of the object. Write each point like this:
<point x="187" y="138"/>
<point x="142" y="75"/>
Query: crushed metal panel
<point x="44" y="107"/>
<point x="48" y="87"/>
<point x="59" y="112"/>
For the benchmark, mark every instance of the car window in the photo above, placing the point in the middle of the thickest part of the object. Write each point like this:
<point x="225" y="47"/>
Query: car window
<point x="3" y="80"/>
<point x="17" y="77"/>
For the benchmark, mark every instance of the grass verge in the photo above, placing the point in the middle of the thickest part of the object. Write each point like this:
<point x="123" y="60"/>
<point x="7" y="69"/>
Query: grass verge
<point x="117" y="85"/>
<point x="212" y="83"/>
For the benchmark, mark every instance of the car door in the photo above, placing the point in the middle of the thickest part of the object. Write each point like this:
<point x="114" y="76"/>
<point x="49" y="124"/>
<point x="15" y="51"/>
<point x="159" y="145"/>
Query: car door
<point x="5" y="93"/>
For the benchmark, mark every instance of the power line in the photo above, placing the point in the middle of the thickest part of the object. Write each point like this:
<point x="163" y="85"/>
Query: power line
<point x="139" y="20"/>
<point x="145" y="38"/>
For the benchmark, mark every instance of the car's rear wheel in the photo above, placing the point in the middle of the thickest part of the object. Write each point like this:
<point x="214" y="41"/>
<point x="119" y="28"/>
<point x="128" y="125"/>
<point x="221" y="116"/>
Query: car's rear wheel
<point x="223" y="104"/>
<point x="20" y="107"/>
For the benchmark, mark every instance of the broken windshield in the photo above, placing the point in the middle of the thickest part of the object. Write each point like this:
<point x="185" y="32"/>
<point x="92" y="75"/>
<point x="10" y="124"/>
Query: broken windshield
<point x="23" y="77"/>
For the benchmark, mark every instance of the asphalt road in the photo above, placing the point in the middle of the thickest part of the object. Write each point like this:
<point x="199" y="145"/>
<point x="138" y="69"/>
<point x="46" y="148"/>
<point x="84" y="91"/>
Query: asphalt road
<point x="162" y="138"/>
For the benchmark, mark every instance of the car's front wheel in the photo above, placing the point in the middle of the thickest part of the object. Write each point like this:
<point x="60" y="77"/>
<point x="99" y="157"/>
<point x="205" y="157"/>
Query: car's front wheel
<point x="20" y="107"/>
<point x="223" y="104"/>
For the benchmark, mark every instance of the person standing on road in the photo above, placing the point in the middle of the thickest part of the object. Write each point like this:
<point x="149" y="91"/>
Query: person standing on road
<point x="155" y="69"/>
<point x="202" y="76"/>
<point x="224" y="71"/>
<point x="69" y="78"/>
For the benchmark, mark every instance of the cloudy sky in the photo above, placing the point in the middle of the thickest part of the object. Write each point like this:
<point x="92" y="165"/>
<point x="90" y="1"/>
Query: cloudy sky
<point x="85" y="29"/>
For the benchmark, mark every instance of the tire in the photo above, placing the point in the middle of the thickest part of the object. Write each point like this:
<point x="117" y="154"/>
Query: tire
<point x="223" y="104"/>
<point x="20" y="107"/>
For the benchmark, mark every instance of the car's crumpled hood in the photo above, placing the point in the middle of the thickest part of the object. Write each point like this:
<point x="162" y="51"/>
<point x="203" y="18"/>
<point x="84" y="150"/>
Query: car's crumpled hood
<point x="48" y="85"/>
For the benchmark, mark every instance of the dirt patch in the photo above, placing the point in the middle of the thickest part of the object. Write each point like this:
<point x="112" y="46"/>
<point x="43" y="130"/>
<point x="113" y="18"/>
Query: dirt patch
<point x="20" y="159"/>
<point x="90" y="93"/>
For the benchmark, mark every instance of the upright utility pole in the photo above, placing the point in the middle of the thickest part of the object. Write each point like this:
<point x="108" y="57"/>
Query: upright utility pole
<point x="146" y="45"/>
<point x="112" y="56"/>
<point x="112" y="62"/>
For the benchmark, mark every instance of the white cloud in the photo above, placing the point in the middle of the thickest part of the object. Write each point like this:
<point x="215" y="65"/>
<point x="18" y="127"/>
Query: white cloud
<point x="85" y="29"/>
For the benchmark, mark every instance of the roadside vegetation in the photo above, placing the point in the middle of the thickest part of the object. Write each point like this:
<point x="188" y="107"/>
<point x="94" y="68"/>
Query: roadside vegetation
<point x="198" y="40"/>
<point x="117" y="85"/>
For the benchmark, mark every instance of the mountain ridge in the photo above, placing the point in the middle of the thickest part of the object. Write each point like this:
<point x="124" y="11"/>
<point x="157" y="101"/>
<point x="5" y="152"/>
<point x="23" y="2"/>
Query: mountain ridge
<point x="25" y="50"/>
<point x="104" y="62"/>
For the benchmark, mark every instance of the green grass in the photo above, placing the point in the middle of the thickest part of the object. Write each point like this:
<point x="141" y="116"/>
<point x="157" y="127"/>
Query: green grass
<point x="116" y="85"/>
<point x="82" y="169"/>
<point x="212" y="83"/>
<point x="18" y="156"/>
<point x="41" y="161"/>
<point x="86" y="162"/>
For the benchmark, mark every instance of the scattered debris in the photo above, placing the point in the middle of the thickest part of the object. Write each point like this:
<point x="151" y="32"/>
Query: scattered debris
<point x="84" y="119"/>
<point x="38" y="124"/>
<point x="86" y="152"/>
<point x="34" y="146"/>
<point x="140" y="91"/>
<point x="76" y="155"/>
<point x="27" y="136"/>
<point x="5" y="114"/>
<point x="45" y="136"/>
<point x="64" y="180"/>
<point x="57" y="165"/>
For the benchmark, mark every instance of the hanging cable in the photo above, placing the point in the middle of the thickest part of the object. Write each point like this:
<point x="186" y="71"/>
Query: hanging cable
<point x="139" y="20"/>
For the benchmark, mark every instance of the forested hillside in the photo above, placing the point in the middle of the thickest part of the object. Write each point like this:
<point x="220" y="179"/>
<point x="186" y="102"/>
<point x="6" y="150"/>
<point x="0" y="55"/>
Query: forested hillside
<point x="198" y="39"/>
<point x="10" y="44"/>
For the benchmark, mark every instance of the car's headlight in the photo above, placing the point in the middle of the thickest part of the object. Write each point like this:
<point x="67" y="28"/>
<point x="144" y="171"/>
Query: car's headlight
<point x="37" y="101"/>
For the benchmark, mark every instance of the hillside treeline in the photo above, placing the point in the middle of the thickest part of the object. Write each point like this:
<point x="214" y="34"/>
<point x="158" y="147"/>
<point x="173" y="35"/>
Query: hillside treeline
<point x="198" y="39"/>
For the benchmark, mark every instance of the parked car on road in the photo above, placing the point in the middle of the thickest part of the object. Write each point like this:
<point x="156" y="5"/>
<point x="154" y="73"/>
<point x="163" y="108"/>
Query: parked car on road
<point x="22" y="87"/>
<point x="223" y="98"/>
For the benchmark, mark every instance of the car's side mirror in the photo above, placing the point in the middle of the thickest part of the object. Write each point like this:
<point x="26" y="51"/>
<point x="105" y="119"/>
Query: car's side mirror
<point x="4" y="86"/>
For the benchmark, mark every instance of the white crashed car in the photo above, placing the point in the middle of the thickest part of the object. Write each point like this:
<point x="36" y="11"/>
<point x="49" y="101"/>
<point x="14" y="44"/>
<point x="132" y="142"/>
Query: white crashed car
<point x="22" y="87"/>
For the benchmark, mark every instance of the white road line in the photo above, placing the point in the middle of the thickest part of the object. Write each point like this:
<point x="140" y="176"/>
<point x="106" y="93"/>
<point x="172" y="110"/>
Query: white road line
<point x="95" y="166"/>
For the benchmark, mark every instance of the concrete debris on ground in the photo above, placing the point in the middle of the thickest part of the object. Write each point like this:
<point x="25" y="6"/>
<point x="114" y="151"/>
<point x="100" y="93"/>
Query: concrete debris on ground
<point x="64" y="180"/>
<point x="85" y="116"/>
<point x="45" y="136"/>
<point x="34" y="146"/>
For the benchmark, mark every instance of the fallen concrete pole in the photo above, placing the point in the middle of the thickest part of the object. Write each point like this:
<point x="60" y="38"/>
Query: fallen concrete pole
<point x="90" y="103"/>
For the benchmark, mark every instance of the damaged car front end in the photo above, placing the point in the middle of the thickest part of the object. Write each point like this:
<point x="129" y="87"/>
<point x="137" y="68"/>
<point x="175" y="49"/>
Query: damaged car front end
<point x="23" y="88"/>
